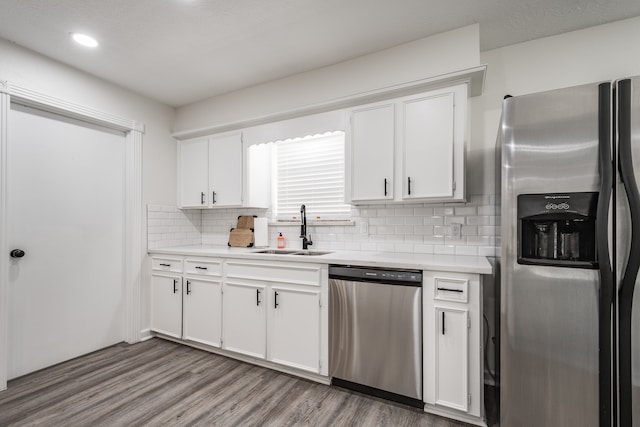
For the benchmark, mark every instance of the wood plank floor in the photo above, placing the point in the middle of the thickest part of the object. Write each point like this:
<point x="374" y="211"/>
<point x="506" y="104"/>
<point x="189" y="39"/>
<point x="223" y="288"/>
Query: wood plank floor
<point x="158" y="382"/>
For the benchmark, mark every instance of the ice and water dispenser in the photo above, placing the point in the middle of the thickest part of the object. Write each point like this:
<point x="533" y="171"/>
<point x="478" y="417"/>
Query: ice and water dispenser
<point x="557" y="229"/>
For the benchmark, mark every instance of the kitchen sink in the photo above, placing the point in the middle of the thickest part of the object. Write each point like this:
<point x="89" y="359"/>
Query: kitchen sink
<point x="277" y="251"/>
<point x="311" y="253"/>
<point x="290" y="252"/>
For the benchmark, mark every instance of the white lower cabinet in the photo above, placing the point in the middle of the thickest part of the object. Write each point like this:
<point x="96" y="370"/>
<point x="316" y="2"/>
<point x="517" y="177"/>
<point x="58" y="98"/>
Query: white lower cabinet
<point x="201" y="317"/>
<point x="243" y="319"/>
<point x="271" y="311"/>
<point x="187" y="304"/>
<point x="294" y="334"/>
<point x="453" y="357"/>
<point x="166" y="304"/>
<point x="452" y="377"/>
<point x="275" y="311"/>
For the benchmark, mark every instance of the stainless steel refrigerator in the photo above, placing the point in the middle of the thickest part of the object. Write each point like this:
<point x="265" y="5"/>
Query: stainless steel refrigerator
<point x="570" y="208"/>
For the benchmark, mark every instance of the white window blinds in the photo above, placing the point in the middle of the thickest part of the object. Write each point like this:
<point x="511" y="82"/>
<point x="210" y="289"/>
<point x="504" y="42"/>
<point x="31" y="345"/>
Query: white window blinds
<point x="310" y="171"/>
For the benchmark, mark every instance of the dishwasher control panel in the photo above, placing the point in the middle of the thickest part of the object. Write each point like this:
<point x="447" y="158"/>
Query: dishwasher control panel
<point x="408" y="277"/>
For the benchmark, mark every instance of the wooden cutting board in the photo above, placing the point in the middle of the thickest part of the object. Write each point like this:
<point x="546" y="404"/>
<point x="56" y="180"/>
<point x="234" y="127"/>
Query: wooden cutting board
<point x="245" y="221"/>
<point x="241" y="238"/>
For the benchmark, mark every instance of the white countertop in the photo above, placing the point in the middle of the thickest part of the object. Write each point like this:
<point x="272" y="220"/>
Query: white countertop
<point x="455" y="263"/>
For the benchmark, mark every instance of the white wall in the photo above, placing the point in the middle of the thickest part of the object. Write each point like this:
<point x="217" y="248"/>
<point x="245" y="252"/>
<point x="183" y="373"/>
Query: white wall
<point x="432" y="56"/>
<point x="604" y="52"/>
<point x="31" y="70"/>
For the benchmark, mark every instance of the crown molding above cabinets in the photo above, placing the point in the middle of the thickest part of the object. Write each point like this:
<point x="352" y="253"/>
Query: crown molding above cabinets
<point x="473" y="77"/>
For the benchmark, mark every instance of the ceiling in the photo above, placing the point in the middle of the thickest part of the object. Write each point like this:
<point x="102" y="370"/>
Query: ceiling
<point x="182" y="51"/>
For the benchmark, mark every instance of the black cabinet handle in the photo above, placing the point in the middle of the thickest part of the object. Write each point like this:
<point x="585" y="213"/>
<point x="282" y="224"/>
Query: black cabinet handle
<point x="409" y="185"/>
<point x="16" y="253"/>
<point x="165" y="265"/>
<point x="201" y="268"/>
<point x="275" y="300"/>
<point x="202" y="198"/>
<point x="188" y="287"/>
<point x="385" y="186"/>
<point x="175" y="285"/>
<point x="213" y="198"/>
<point x="443" y="323"/>
<point x="450" y="290"/>
<point x="257" y="296"/>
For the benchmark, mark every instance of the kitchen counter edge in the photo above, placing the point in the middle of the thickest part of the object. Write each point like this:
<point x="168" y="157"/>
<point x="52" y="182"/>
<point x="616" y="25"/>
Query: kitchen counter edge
<point x="435" y="262"/>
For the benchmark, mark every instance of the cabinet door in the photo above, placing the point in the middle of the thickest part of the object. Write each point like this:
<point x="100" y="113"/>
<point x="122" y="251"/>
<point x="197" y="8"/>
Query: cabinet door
<point x="193" y="173"/>
<point x="428" y="136"/>
<point x="372" y="142"/>
<point x="202" y="317"/>
<point x="451" y="357"/>
<point x="166" y="304"/>
<point x="225" y="170"/>
<point x="294" y="333"/>
<point x="244" y="319"/>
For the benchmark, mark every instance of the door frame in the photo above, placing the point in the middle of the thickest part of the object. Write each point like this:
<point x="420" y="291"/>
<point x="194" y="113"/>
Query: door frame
<point x="11" y="93"/>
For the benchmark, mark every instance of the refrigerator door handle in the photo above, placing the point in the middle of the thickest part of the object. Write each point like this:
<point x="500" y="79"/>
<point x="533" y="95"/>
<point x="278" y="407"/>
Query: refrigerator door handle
<point x="628" y="280"/>
<point x="604" y="263"/>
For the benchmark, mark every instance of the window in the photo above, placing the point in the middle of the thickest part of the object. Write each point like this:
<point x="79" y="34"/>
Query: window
<point x="310" y="171"/>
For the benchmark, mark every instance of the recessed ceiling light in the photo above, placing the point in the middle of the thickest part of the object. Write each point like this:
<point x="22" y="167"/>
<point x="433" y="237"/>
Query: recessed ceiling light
<point x="84" y="40"/>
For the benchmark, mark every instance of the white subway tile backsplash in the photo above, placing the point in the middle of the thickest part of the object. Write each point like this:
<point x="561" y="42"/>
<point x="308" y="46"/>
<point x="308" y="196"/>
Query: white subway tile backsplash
<point x="421" y="228"/>
<point x="442" y="211"/>
<point x="433" y="220"/>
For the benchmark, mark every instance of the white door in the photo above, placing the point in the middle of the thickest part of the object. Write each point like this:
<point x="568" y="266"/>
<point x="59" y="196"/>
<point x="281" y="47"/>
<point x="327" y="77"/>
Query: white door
<point x="166" y="304"/>
<point x="428" y="147"/>
<point x="65" y="201"/>
<point x="372" y="157"/>
<point x="225" y="170"/>
<point x="294" y="334"/>
<point x="243" y="319"/>
<point x="202" y="318"/>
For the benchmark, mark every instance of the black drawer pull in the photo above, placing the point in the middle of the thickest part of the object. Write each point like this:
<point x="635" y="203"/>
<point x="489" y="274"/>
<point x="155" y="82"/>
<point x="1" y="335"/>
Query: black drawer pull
<point x="257" y="296"/>
<point x="165" y="265"/>
<point x="443" y="323"/>
<point x="275" y="300"/>
<point x="201" y="268"/>
<point x="188" y="287"/>
<point x="451" y="290"/>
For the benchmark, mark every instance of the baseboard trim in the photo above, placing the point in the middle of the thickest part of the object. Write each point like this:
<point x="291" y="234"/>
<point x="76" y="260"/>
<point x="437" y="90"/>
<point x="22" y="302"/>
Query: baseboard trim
<point x="145" y="335"/>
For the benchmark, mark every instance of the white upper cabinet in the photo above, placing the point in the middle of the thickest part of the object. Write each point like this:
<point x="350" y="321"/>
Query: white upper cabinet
<point x="212" y="174"/>
<point x="225" y="170"/>
<point x="427" y="127"/>
<point x="410" y="148"/>
<point x="193" y="167"/>
<point x="373" y="136"/>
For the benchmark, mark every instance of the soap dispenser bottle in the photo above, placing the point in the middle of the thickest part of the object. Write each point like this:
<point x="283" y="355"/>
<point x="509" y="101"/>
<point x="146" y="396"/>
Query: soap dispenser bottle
<point x="280" y="241"/>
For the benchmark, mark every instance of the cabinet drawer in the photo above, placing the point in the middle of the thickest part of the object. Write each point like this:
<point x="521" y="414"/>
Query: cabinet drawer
<point x="203" y="266"/>
<point x="451" y="289"/>
<point x="298" y="273"/>
<point x="167" y="264"/>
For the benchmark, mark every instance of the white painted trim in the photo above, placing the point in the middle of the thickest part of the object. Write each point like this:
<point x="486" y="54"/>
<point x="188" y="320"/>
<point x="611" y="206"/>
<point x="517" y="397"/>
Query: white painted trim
<point x="473" y="76"/>
<point x="133" y="203"/>
<point x="31" y="98"/>
<point x="145" y="335"/>
<point x="133" y="235"/>
<point x="4" y="259"/>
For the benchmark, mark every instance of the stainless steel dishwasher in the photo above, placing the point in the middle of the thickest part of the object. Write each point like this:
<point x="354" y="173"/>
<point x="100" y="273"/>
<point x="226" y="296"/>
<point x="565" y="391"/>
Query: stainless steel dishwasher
<point x="375" y="332"/>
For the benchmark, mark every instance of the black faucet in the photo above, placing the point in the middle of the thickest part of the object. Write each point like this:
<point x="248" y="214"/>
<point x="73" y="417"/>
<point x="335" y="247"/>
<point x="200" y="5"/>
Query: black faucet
<point x="306" y="241"/>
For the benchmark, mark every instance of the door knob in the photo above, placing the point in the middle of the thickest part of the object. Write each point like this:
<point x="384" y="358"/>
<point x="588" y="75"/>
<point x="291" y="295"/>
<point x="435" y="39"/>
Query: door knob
<point x="17" y="253"/>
